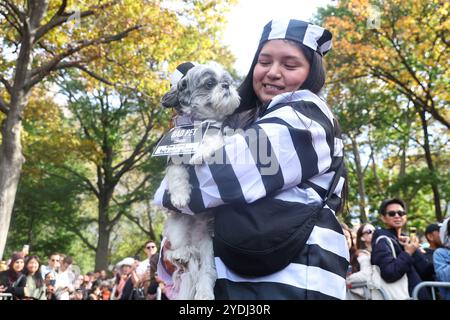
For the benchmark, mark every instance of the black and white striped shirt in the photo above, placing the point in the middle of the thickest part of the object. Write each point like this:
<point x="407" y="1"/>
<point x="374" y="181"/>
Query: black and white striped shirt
<point x="290" y="153"/>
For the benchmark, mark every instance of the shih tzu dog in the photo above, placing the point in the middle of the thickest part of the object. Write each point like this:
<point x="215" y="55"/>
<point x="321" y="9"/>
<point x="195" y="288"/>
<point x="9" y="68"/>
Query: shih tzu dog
<point x="205" y="92"/>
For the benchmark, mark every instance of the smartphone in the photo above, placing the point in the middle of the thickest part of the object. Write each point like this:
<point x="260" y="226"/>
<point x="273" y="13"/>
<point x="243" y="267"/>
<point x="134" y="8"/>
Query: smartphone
<point x="412" y="233"/>
<point x="26" y="247"/>
<point x="52" y="282"/>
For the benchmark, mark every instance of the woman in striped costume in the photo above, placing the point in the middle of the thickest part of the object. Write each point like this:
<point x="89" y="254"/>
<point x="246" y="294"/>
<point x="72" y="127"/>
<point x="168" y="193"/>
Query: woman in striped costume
<point x="303" y="144"/>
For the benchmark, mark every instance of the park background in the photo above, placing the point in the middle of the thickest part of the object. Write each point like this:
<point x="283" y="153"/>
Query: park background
<point x="81" y="81"/>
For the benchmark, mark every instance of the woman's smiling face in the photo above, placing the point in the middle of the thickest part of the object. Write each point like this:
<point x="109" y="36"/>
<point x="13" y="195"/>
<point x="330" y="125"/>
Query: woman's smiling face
<point x="281" y="67"/>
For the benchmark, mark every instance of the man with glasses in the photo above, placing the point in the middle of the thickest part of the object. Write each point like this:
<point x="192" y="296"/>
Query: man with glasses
<point x="409" y="259"/>
<point x="53" y="265"/>
<point x="65" y="279"/>
<point x="150" y="250"/>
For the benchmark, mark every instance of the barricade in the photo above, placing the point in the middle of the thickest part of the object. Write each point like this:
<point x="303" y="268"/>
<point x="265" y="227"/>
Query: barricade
<point x="432" y="284"/>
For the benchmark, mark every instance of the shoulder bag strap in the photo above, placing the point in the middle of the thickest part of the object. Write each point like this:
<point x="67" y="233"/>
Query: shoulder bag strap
<point x="390" y="244"/>
<point x="17" y="282"/>
<point x="334" y="182"/>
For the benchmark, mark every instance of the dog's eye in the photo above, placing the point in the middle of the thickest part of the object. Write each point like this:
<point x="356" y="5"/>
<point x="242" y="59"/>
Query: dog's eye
<point x="210" y="84"/>
<point x="183" y="85"/>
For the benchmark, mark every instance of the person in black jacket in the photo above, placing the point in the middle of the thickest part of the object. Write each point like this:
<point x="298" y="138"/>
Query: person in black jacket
<point x="409" y="258"/>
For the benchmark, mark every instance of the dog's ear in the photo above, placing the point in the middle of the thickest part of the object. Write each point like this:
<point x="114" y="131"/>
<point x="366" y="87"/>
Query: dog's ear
<point x="170" y="99"/>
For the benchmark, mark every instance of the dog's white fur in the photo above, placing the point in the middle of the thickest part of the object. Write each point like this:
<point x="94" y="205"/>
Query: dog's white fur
<point x="204" y="93"/>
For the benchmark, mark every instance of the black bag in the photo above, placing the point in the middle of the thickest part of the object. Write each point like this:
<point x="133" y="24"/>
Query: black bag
<point x="263" y="237"/>
<point x="137" y="294"/>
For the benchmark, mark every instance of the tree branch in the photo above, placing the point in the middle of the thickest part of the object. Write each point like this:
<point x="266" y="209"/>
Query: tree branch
<point x="6" y="84"/>
<point x="15" y="24"/>
<point x="127" y="163"/>
<point x="136" y="221"/>
<point x="347" y="79"/>
<point x="77" y="231"/>
<point x="403" y="59"/>
<point x="57" y="20"/>
<point x="78" y="65"/>
<point x="131" y="218"/>
<point x="127" y="203"/>
<point x="94" y="75"/>
<point x="19" y="15"/>
<point x="114" y="220"/>
<point x="37" y="74"/>
<point x="4" y="106"/>
<point x="85" y="180"/>
<point x="60" y="17"/>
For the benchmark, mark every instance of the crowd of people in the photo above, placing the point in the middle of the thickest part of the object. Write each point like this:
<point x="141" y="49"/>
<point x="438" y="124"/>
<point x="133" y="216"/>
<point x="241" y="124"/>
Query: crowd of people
<point x="426" y="259"/>
<point x="282" y="110"/>
<point x="24" y="277"/>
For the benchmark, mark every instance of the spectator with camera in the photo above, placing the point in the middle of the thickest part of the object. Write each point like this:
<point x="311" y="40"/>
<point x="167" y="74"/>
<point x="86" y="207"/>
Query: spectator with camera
<point x="409" y="259"/>
<point x="49" y="281"/>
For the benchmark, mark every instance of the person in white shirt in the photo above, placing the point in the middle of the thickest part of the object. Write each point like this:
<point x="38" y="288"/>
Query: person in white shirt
<point x="150" y="250"/>
<point x="54" y="262"/>
<point x="65" y="280"/>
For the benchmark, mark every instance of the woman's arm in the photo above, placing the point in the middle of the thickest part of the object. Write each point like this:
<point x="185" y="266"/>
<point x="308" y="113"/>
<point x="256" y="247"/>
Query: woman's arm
<point x="281" y="150"/>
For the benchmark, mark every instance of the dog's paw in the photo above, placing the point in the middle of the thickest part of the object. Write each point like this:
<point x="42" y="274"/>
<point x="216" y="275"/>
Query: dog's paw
<point x="197" y="158"/>
<point x="179" y="199"/>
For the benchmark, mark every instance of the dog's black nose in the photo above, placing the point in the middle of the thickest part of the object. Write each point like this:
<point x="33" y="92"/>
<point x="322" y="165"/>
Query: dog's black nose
<point x="225" y="85"/>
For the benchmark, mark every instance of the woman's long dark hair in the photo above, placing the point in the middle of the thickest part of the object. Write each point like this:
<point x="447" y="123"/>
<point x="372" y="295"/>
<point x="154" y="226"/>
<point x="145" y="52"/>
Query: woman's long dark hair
<point x="37" y="276"/>
<point x="360" y="244"/>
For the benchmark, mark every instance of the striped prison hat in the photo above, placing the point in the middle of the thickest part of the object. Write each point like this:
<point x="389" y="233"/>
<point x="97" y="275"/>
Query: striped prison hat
<point x="180" y="72"/>
<point x="312" y="36"/>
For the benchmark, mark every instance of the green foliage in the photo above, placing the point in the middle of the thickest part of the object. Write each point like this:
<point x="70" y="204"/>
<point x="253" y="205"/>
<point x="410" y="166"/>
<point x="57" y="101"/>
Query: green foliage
<point x="113" y="67"/>
<point x="36" y="221"/>
<point x="380" y="81"/>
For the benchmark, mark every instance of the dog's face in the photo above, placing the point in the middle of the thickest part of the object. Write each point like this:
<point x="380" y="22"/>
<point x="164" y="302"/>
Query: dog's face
<point x="205" y="92"/>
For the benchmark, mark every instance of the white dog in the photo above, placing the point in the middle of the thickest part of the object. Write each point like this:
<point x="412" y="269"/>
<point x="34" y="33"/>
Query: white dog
<point x="204" y="93"/>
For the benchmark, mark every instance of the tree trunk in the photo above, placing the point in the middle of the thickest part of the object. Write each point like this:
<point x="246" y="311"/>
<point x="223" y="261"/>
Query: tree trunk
<point x="104" y="232"/>
<point x="360" y="177"/>
<point x="374" y="167"/>
<point x="105" y="224"/>
<point x="101" y="253"/>
<point x="402" y="172"/>
<point x="428" y="157"/>
<point x="11" y="160"/>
